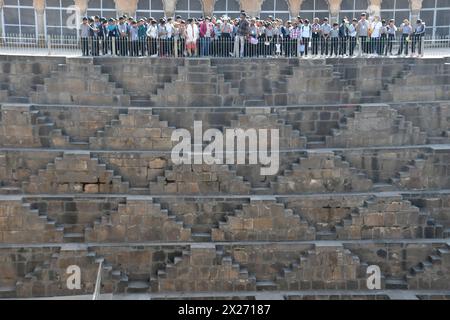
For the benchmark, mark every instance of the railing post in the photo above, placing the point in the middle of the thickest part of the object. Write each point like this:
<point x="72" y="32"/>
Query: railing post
<point x="49" y="45"/>
<point x="175" y="47"/>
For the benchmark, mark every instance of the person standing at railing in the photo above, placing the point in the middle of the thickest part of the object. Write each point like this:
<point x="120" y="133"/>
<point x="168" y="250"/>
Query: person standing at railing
<point x="152" y="36"/>
<point x="142" y="34"/>
<point x="294" y="38"/>
<point x="134" y="38"/>
<point x="286" y="35"/>
<point x="352" y="35"/>
<point x="226" y="30"/>
<point x="363" y="33"/>
<point x="180" y="28"/>
<point x="375" y="35"/>
<point x="306" y="33"/>
<point x="93" y="37"/>
<point x="241" y="35"/>
<point x="103" y="35"/>
<point x="191" y="36"/>
<point x="206" y="33"/>
<point x="112" y="33"/>
<point x="96" y="28"/>
<point x="383" y="38"/>
<point x="334" y="38"/>
<point x="325" y="30"/>
<point x="343" y="37"/>
<point x="391" y="32"/>
<point x="406" y="30"/>
<point x="85" y="33"/>
<point x="123" y="37"/>
<point x="170" y="29"/>
<point x="315" y="28"/>
<point x="417" y="37"/>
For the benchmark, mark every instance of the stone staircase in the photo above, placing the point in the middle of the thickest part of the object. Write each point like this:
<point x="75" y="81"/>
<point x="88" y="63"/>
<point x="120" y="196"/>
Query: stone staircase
<point x="320" y="171"/>
<point x="137" y="129"/>
<point x="375" y="125"/>
<point x="263" y="220"/>
<point x="425" y="274"/>
<point x="306" y="272"/>
<point x="200" y="179"/>
<point x="207" y="267"/>
<point x="75" y="172"/>
<point x="198" y="84"/>
<point x="411" y="176"/>
<point x="387" y="217"/>
<point x="138" y="219"/>
<point x="81" y="83"/>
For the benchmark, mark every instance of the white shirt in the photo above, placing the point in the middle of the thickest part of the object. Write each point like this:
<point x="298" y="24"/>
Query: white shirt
<point x="376" y="29"/>
<point x="192" y="33"/>
<point x="152" y="31"/>
<point x="306" y="31"/>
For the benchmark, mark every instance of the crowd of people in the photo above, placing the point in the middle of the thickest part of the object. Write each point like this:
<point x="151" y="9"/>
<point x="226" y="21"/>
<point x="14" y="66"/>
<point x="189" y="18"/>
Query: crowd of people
<point x="249" y="37"/>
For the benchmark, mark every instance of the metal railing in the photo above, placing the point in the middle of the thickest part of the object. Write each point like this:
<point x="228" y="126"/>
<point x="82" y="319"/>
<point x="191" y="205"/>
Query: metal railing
<point x="224" y="46"/>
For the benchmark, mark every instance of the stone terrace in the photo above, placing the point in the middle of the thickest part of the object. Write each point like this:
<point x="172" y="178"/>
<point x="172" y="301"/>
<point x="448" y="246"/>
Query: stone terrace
<point x="86" y="176"/>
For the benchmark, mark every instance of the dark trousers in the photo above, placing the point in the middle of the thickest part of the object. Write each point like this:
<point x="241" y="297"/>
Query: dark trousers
<point x="95" y="46"/>
<point x="315" y="44"/>
<point x="85" y="46"/>
<point x="152" y="46"/>
<point x="390" y="43"/>
<point x="374" y="45"/>
<point x="342" y="45"/>
<point x="123" y="46"/>
<point x="404" y="45"/>
<point x="324" y="45"/>
<point x="352" y="45"/>
<point x="416" y="41"/>
<point x="306" y="44"/>
<point x="382" y="46"/>
<point x="364" y="44"/>
<point x="334" y="46"/>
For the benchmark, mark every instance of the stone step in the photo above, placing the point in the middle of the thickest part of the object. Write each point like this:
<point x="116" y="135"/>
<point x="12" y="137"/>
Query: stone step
<point x="325" y="235"/>
<point x="396" y="284"/>
<point x="7" y="292"/>
<point x="137" y="286"/>
<point x="266" y="286"/>
<point x="73" y="237"/>
<point x="201" y="237"/>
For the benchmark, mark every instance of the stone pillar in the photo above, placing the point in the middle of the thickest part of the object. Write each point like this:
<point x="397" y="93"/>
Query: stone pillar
<point x="82" y="6"/>
<point x="169" y="7"/>
<point x="127" y="7"/>
<point x="208" y="7"/>
<point x="334" y="7"/>
<point x="39" y="7"/>
<point x="294" y="7"/>
<point x="252" y="8"/>
<point x="374" y="8"/>
<point x="416" y="6"/>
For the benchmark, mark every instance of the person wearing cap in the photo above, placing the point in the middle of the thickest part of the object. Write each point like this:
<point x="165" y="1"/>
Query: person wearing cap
<point x="112" y="36"/>
<point x="306" y="33"/>
<point x="334" y="40"/>
<point x="206" y="33"/>
<point x="375" y="35"/>
<point x="179" y="30"/>
<point x="419" y="32"/>
<point x="123" y="36"/>
<point x="170" y="33"/>
<point x="363" y="33"/>
<point x="343" y="37"/>
<point x="325" y="30"/>
<point x="226" y="31"/>
<point x="191" y="35"/>
<point x="315" y="37"/>
<point x="383" y="38"/>
<point x="134" y="38"/>
<point x="352" y="36"/>
<point x="142" y="34"/>
<point x="103" y="35"/>
<point x="391" y="31"/>
<point x="152" y="38"/>
<point x="286" y="36"/>
<point x="95" y="50"/>
<point x="162" y="36"/>
<point x="406" y="30"/>
<point x="85" y="33"/>
<point x="241" y="35"/>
